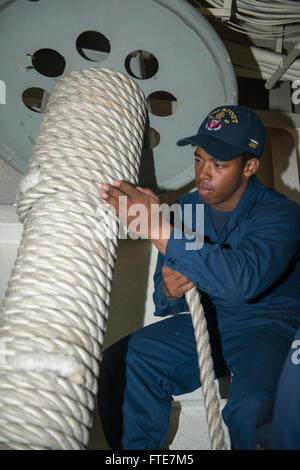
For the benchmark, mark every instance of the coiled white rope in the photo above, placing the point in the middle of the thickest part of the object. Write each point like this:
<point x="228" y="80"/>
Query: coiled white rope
<point x="56" y="304"/>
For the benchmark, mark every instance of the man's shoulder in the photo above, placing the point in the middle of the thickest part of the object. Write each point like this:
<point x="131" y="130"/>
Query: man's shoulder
<point x="269" y="197"/>
<point x="271" y="206"/>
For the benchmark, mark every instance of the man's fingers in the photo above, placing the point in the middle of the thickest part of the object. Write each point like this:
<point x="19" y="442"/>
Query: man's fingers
<point x="120" y="188"/>
<point x="170" y="274"/>
<point x="111" y="195"/>
<point x="188" y="287"/>
<point x="133" y="191"/>
<point x="183" y="283"/>
<point x="182" y="290"/>
<point x="175" y="284"/>
<point x="149" y="193"/>
<point x="108" y="192"/>
<point x="126" y="188"/>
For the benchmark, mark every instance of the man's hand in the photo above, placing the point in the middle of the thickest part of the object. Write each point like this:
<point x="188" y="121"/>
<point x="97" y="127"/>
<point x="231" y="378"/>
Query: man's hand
<point x="175" y="284"/>
<point x="129" y="202"/>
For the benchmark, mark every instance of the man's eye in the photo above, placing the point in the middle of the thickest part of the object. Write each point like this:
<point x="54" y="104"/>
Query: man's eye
<point x="219" y="166"/>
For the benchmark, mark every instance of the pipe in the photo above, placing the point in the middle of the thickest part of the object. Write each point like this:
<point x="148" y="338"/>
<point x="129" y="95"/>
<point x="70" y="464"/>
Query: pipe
<point x="261" y="60"/>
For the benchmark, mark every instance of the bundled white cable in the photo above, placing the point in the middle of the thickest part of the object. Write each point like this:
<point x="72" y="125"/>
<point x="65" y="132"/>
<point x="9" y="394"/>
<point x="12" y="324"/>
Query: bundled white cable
<point x="265" y="20"/>
<point x="262" y="18"/>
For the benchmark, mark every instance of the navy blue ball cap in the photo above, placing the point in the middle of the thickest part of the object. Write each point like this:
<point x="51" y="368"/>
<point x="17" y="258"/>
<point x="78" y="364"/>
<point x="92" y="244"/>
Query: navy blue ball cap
<point x="229" y="131"/>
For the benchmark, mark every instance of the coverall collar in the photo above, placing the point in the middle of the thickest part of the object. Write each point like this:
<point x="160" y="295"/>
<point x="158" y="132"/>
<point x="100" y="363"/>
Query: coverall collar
<point x="242" y="209"/>
<point x="248" y="199"/>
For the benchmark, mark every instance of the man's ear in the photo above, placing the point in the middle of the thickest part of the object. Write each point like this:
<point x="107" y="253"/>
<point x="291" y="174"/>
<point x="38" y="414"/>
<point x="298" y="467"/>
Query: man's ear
<point x="251" y="167"/>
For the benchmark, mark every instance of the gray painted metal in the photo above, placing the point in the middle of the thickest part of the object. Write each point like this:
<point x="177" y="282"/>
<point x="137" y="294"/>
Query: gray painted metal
<point x="193" y="65"/>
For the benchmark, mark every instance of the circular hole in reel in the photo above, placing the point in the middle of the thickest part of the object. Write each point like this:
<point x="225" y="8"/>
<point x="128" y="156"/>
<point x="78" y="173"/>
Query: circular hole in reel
<point x="93" y="46"/>
<point x="48" y="62"/>
<point x="151" y="138"/>
<point x="162" y="103"/>
<point x="141" y="64"/>
<point x="35" y="99"/>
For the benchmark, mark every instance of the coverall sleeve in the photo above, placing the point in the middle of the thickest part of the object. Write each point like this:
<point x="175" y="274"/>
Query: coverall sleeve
<point x="266" y="249"/>
<point x="163" y="305"/>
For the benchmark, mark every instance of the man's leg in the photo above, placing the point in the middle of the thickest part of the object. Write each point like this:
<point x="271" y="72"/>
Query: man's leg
<point x="256" y="361"/>
<point x="138" y="377"/>
<point x="111" y="389"/>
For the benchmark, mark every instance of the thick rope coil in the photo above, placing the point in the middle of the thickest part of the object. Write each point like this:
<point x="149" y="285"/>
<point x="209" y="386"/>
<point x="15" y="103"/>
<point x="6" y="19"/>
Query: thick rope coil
<point x="214" y="418"/>
<point x="56" y="306"/>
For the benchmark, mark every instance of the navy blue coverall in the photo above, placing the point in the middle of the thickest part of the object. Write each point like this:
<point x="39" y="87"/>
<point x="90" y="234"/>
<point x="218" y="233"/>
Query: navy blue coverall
<point x="286" y="414"/>
<point x="249" y="277"/>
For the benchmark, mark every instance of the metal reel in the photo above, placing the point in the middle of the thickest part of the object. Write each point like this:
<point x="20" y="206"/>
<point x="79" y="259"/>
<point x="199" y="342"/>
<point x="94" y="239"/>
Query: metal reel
<point x="166" y="46"/>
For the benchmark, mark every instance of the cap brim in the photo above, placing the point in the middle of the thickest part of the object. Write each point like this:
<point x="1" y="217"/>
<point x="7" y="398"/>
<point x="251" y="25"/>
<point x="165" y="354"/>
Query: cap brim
<point x="217" y="149"/>
<point x="188" y="140"/>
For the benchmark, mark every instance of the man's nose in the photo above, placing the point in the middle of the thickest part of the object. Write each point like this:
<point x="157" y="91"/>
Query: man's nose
<point x="204" y="172"/>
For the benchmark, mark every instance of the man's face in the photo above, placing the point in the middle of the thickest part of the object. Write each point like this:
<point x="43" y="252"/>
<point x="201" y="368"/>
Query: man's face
<point x="220" y="184"/>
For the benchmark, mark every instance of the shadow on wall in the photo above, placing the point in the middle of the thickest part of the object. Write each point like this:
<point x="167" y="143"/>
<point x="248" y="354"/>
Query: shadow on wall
<point x="280" y="163"/>
<point x="129" y="291"/>
<point x="285" y="154"/>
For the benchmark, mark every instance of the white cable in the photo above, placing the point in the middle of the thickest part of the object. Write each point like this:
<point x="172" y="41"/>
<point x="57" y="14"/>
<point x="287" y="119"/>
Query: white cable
<point x="259" y="18"/>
